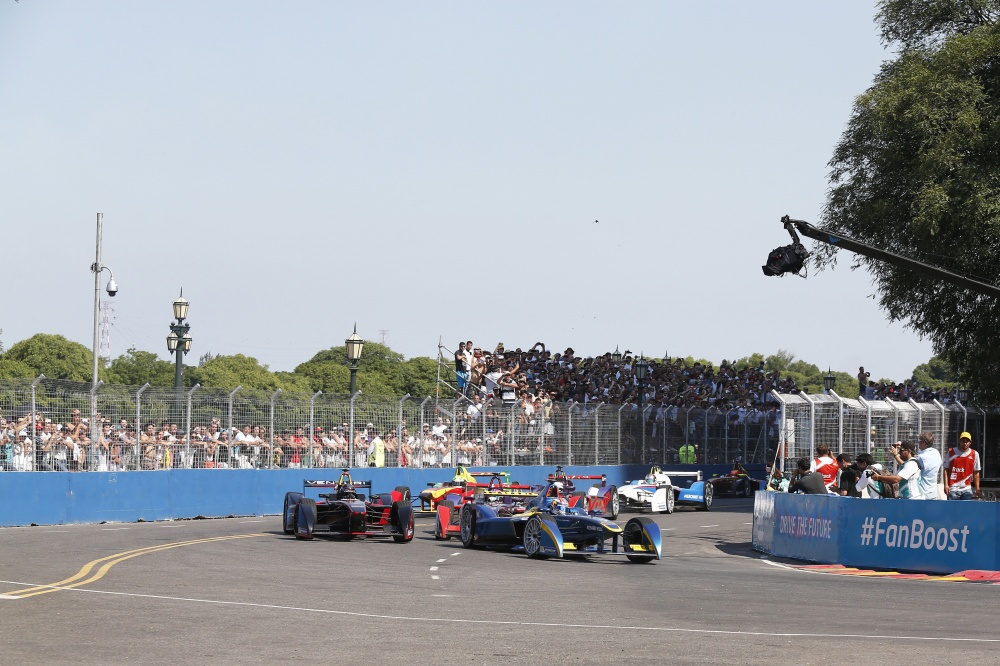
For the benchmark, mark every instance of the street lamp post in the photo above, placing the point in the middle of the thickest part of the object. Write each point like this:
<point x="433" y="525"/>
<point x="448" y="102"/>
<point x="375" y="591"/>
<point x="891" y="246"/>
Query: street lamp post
<point x="829" y="381"/>
<point x="641" y="372"/>
<point x="179" y="341"/>
<point x="354" y="346"/>
<point x="97" y="268"/>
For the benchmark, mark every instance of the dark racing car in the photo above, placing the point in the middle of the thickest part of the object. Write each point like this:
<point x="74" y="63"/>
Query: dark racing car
<point x="737" y="482"/>
<point x="550" y="527"/>
<point x="345" y="512"/>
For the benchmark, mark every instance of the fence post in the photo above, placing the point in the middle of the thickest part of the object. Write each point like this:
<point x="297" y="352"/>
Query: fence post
<point x="868" y="424"/>
<point x="230" y="437"/>
<point x="96" y="429"/>
<point x="138" y="425"/>
<point x="399" y="429"/>
<point x="188" y="459"/>
<point x="620" y="432"/>
<point x="312" y="428"/>
<point x="597" y="433"/>
<point x="34" y="425"/>
<point x="270" y="431"/>
<point x="569" y="429"/>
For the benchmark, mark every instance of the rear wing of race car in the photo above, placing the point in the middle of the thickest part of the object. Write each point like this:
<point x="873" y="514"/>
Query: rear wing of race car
<point x="334" y="484"/>
<point x="559" y="475"/>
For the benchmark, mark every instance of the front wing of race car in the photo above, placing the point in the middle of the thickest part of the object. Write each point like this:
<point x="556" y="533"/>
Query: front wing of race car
<point x="540" y="534"/>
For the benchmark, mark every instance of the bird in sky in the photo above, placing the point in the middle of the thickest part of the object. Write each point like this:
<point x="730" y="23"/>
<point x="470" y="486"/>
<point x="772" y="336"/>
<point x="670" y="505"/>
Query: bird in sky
<point x="596" y="222"/>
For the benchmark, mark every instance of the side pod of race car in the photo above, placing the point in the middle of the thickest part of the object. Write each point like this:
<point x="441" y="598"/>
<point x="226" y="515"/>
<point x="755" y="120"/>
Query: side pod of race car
<point x="550" y="527"/>
<point x="347" y="513"/>
<point x="664" y="491"/>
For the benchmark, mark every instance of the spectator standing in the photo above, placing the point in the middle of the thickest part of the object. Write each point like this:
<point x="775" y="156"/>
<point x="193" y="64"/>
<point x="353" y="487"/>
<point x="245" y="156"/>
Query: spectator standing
<point x="908" y="475"/>
<point x="929" y="461"/>
<point x="806" y="481"/>
<point x="847" y="478"/>
<point x="461" y="368"/>
<point x="826" y="466"/>
<point x="961" y="481"/>
<point x="867" y="487"/>
<point x="686" y="454"/>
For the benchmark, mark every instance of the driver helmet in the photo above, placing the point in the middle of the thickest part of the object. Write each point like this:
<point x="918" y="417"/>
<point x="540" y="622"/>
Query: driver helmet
<point x="559" y="507"/>
<point x="557" y="489"/>
<point x="735" y="472"/>
<point x="650" y="478"/>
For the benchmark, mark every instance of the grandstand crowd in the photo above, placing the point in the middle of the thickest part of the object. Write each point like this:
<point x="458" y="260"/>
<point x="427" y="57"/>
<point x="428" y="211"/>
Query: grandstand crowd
<point x="509" y="405"/>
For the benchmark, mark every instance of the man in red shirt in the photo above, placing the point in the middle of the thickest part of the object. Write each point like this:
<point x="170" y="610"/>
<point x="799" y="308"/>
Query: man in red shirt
<point x="961" y="480"/>
<point x="826" y="466"/>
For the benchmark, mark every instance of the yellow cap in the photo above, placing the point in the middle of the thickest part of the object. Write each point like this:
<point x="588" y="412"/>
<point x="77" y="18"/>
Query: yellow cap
<point x="965" y="435"/>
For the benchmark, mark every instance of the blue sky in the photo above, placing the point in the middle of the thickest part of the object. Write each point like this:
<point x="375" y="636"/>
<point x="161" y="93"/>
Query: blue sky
<point x="434" y="170"/>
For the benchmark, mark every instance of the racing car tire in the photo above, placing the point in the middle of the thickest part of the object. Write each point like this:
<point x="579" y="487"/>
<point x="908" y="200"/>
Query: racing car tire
<point x="468" y="526"/>
<point x="306" y="506"/>
<point x="405" y="492"/>
<point x="670" y="501"/>
<point x="407" y="534"/>
<point x="288" y="522"/>
<point x="709" y="495"/>
<point x="633" y="532"/>
<point x="747" y="488"/>
<point x="614" y="504"/>
<point x="441" y="531"/>
<point x="532" y="538"/>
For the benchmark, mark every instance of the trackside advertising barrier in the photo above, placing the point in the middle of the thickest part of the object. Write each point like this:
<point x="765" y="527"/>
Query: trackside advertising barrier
<point x="910" y="535"/>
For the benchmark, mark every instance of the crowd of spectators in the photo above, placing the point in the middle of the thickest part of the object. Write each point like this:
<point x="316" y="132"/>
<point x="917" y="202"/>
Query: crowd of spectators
<point x="611" y="379"/>
<point x="869" y="389"/>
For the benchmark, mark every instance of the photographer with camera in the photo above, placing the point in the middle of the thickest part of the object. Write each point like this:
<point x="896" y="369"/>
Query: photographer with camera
<point x="867" y="487"/>
<point x="908" y="475"/>
<point x="805" y="481"/>
<point x="847" y="478"/>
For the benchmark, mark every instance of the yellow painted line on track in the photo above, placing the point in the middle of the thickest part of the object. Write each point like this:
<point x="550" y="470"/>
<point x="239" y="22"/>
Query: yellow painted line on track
<point x="108" y="562"/>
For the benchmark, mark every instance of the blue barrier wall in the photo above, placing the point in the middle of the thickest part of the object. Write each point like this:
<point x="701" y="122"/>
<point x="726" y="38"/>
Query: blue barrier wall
<point x="53" y="498"/>
<point x="928" y="536"/>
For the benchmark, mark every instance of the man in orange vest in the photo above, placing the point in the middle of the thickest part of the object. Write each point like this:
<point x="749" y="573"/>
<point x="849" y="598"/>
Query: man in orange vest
<point x="826" y="466"/>
<point x="962" y="477"/>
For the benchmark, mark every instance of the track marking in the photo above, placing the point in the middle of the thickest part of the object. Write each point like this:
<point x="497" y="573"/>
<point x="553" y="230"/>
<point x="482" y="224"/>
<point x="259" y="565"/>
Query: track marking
<point x="748" y="523"/>
<point x="455" y="554"/>
<point x="109" y="562"/>
<point x="435" y="577"/>
<point x="434" y="568"/>
<point x="517" y="623"/>
<point x="251" y="521"/>
<point x="113" y="529"/>
<point x="442" y="560"/>
<point x="708" y="525"/>
<point x="55" y="531"/>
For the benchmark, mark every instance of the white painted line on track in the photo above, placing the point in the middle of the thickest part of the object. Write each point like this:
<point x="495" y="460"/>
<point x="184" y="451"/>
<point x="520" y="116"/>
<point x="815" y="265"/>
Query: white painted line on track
<point x="9" y="596"/>
<point x="708" y="525"/>
<point x="748" y="523"/>
<point x="434" y="568"/>
<point x="440" y="595"/>
<point x="442" y="560"/>
<point x="435" y="577"/>
<point x="55" y="531"/>
<point x="251" y="521"/>
<point x="455" y="554"/>
<point x="517" y="623"/>
<point x="113" y="529"/>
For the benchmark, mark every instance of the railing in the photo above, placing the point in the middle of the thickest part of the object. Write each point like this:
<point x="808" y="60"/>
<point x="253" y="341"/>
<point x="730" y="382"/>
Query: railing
<point x="56" y="425"/>
<point x="854" y="426"/>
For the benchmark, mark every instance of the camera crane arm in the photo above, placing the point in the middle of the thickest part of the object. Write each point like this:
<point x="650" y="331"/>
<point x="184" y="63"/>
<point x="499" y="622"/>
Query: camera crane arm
<point x="836" y="240"/>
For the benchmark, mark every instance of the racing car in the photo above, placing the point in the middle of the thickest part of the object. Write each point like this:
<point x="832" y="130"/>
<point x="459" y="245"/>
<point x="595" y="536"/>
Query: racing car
<point x="550" y="527"/>
<point x="504" y="501"/>
<point x="346" y="512"/>
<point x="464" y="479"/>
<point x="737" y="482"/>
<point x="600" y="498"/>
<point x="663" y="491"/>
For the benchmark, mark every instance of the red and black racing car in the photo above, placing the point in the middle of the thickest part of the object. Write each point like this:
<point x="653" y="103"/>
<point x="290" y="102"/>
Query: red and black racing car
<point x="600" y="499"/>
<point x="345" y="512"/>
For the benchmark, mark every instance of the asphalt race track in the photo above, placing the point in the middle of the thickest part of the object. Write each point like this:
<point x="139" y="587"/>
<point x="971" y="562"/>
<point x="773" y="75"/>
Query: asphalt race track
<point x="239" y="591"/>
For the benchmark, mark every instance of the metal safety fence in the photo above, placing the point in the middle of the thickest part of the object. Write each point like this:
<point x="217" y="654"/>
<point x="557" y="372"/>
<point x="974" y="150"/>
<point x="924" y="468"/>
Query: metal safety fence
<point x="57" y="425"/>
<point x="854" y="426"/>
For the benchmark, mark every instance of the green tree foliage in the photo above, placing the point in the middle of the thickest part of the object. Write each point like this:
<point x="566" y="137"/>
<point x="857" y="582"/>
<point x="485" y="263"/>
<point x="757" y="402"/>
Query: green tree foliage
<point x="136" y="367"/>
<point x="237" y="370"/>
<point x="53" y="356"/>
<point x="917" y="172"/>
<point x="12" y="369"/>
<point x="936" y="374"/>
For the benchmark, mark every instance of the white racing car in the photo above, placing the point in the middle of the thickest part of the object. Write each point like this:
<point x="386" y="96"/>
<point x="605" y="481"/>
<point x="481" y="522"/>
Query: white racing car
<point x="661" y="491"/>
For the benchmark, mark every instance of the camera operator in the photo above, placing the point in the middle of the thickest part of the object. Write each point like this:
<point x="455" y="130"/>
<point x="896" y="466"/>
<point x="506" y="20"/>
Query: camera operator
<point x="867" y="487"/>
<point x="907" y="476"/>
<point x="810" y="483"/>
<point x="847" y="478"/>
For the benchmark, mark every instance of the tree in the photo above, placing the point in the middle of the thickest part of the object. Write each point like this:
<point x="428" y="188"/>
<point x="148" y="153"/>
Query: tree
<point x="135" y="368"/>
<point x="236" y="370"/>
<point x="54" y="356"/>
<point x="917" y="172"/>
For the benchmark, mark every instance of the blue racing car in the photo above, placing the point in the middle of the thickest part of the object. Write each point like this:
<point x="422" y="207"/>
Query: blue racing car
<point x="549" y="527"/>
